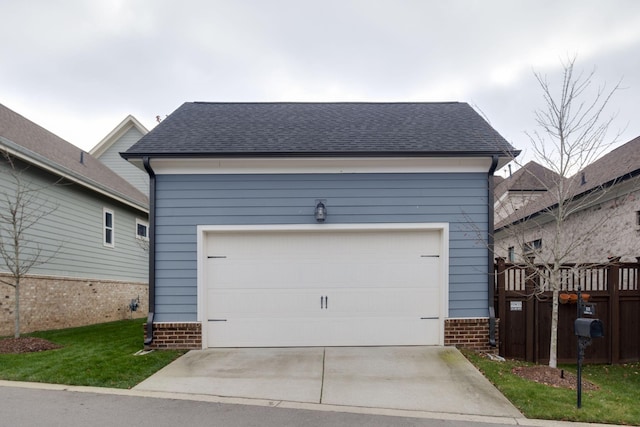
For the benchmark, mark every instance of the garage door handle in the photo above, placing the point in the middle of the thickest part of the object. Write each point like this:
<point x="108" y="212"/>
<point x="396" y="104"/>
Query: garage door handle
<point x="324" y="302"/>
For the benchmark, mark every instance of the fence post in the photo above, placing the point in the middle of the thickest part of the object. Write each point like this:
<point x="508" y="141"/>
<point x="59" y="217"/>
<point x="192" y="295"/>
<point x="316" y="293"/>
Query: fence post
<point x="502" y="304"/>
<point x="613" y="283"/>
<point x="530" y="286"/>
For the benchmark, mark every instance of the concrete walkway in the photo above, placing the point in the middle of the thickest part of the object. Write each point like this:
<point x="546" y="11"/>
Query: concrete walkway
<point x="427" y="379"/>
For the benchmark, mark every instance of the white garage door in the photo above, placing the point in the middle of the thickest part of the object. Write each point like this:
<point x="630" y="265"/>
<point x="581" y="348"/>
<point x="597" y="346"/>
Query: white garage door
<point x="323" y="288"/>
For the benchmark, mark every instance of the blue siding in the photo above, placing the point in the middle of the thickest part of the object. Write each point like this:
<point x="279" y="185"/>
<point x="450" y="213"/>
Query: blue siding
<point x="185" y="201"/>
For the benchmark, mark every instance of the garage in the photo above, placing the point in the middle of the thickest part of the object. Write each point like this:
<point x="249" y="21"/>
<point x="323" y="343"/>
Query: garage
<point x="357" y="285"/>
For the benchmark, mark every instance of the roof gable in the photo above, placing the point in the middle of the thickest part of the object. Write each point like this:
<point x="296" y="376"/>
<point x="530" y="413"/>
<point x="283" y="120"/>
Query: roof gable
<point x="38" y="146"/>
<point x="530" y="177"/>
<point x="115" y="135"/>
<point x="321" y="129"/>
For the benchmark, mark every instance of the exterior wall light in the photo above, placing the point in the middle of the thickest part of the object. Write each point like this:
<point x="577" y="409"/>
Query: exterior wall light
<point x="321" y="211"/>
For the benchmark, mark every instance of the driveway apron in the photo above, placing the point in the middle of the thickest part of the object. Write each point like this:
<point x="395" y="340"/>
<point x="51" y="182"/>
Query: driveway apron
<point x="432" y="379"/>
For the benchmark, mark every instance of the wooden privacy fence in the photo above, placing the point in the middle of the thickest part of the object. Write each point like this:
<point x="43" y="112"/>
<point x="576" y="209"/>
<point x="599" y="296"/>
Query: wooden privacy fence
<point x="523" y="304"/>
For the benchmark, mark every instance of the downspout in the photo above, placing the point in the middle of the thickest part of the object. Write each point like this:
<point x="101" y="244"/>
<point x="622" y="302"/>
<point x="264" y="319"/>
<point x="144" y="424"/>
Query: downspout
<point x="492" y="311"/>
<point x="152" y="249"/>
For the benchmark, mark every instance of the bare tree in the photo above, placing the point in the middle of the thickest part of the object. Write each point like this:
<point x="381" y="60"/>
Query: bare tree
<point x="22" y="206"/>
<point x="572" y="133"/>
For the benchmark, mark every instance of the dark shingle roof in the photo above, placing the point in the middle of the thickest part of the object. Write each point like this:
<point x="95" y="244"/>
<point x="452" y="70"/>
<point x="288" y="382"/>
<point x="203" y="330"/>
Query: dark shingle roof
<point x="36" y="144"/>
<point x="321" y="129"/>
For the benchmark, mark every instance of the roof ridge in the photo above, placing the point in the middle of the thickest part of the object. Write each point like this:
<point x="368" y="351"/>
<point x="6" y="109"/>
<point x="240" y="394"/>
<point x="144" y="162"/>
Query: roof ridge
<point x="320" y="102"/>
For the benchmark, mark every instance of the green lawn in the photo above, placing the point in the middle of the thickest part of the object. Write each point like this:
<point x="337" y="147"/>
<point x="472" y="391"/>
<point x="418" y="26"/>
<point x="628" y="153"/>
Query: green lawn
<point x="616" y="402"/>
<point x="98" y="355"/>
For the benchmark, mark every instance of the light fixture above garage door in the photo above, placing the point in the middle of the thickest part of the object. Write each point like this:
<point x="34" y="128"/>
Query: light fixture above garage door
<point x="321" y="210"/>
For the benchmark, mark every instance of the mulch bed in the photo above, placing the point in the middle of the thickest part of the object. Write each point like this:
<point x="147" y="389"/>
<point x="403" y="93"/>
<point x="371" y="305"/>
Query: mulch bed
<point x="25" y="345"/>
<point x="553" y="377"/>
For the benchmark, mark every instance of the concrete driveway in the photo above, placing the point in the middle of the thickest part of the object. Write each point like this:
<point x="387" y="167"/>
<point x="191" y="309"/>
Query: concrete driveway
<point x="431" y="379"/>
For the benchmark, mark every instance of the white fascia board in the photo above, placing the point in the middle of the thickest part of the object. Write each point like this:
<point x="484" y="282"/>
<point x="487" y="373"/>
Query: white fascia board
<point x="334" y="165"/>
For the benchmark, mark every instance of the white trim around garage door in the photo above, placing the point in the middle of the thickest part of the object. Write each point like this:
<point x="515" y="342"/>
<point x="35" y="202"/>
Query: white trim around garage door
<point x="204" y="230"/>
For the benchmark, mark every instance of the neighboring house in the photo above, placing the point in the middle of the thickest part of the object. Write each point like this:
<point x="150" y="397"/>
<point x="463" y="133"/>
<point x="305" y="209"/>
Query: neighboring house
<point x="523" y="186"/>
<point x="127" y="133"/>
<point x="320" y="224"/>
<point x="608" y="194"/>
<point x="97" y="232"/>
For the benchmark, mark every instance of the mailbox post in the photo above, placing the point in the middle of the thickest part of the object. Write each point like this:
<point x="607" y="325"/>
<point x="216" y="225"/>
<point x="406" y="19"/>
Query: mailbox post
<point x="584" y="329"/>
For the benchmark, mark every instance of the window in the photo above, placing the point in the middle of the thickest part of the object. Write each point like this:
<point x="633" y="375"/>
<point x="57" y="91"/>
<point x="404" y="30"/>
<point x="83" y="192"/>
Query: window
<point x="142" y="229"/>
<point x="533" y="246"/>
<point x="512" y="254"/>
<point x="108" y="229"/>
<point x="637" y="220"/>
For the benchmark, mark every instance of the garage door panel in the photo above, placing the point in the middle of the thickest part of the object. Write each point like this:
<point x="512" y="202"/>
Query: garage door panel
<point x="243" y="274"/>
<point x="322" y="332"/>
<point x="256" y="245"/>
<point x="384" y="302"/>
<point x="264" y="304"/>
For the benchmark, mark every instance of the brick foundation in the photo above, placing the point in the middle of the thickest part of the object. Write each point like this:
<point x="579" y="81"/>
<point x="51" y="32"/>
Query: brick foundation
<point x="466" y="333"/>
<point x="469" y="333"/>
<point x="185" y="336"/>
<point x="62" y="302"/>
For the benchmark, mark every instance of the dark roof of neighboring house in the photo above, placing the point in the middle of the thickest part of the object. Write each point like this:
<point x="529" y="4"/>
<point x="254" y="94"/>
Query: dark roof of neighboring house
<point x="618" y="163"/>
<point x="34" y="144"/>
<point x="322" y="129"/>
<point x="530" y="177"/>
<point x="616" y="166"/>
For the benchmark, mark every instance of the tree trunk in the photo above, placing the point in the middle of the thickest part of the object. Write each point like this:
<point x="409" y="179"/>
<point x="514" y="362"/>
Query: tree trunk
<point x="553" y="344"/>
<point x="16" y="333"/>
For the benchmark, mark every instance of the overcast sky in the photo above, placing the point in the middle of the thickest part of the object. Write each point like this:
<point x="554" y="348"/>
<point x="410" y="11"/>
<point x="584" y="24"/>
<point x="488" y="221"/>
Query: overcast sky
<point x="78" y="68"/>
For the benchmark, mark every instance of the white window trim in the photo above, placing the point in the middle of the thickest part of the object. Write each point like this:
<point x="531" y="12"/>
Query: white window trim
<point x="105" y="211"/>
<point x="532" y="248"/>
<point x="146" y="224"/>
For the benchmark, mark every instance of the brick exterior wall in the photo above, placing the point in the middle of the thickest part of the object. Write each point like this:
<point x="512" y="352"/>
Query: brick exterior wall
<point x="184" y="336"/>
<point x="61" y="302"/>
<point x="611" y="226"/>
<point x="470" y="333"/>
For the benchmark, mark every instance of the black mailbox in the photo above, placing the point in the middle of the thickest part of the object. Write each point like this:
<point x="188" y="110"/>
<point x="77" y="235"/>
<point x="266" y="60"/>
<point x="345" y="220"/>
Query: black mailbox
<point x="589" y="328"/>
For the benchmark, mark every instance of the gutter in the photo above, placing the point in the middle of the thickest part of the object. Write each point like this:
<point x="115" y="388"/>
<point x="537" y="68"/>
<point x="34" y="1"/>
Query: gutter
<point x="152" y="249"/>
<point x="490" y="242"/>
<point x="267" y="154"/>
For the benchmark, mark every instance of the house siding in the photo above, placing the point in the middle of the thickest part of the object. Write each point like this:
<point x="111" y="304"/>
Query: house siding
<point x="186" y="201"/>
<point x="111" y="157"/>
<point x="72" y="233"/>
